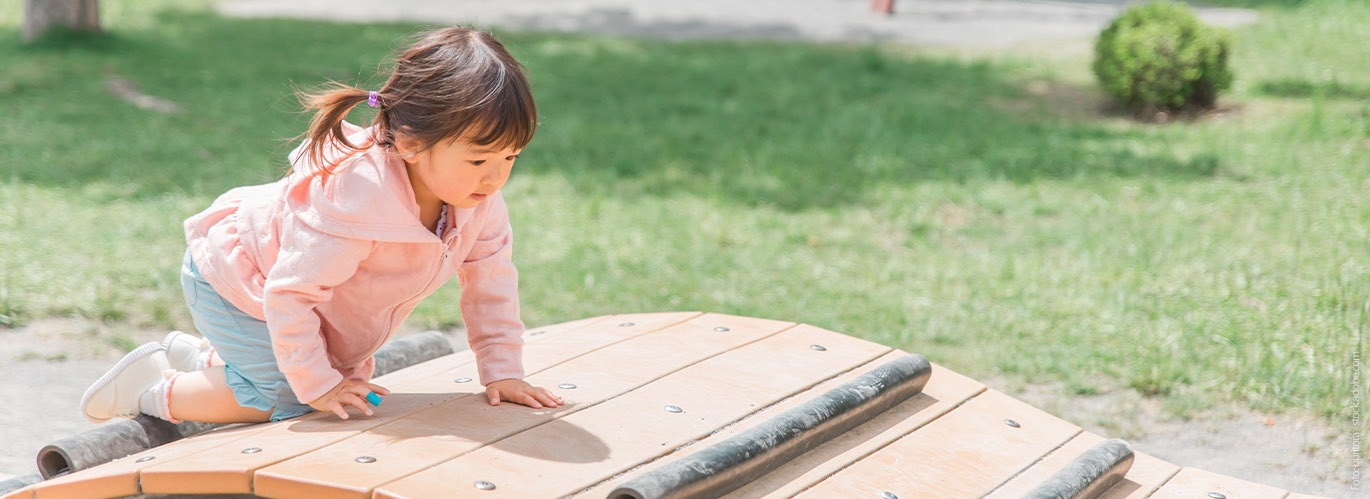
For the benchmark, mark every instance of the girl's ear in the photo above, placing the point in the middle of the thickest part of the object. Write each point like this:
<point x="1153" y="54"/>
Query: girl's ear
<point x="406" y="145"/>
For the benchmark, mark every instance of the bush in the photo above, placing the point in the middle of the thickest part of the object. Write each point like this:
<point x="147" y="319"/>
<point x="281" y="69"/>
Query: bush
<point x="1158" y="56"/>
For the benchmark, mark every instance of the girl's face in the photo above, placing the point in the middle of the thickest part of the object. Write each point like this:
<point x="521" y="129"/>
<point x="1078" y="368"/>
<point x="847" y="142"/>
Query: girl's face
<point x="457" y="172"/>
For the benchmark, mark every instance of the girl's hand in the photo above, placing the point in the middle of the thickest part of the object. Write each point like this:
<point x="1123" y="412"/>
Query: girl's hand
<point x="519" y="391"/>
<point x="348" y="393"/>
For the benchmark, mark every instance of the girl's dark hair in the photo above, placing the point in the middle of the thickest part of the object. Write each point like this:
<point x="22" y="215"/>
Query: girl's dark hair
<point x="452" y="82"/>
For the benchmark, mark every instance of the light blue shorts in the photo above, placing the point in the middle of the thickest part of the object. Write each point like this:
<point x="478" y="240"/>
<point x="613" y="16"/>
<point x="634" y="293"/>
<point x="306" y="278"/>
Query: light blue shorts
<point x="244" y="344"/>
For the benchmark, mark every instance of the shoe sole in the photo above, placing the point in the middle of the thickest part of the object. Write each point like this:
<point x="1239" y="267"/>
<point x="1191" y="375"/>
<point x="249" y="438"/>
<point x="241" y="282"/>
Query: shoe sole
<point x="131" y="357"/>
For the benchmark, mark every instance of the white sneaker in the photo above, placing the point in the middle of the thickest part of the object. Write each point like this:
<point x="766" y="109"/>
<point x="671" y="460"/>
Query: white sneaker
<point x="116" y="393"/>
<point x="183" y="350"/>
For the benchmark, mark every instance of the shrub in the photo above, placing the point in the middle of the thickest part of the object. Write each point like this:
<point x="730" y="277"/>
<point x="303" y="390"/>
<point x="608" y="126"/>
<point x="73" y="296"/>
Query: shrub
<point x="1158" y="56"/>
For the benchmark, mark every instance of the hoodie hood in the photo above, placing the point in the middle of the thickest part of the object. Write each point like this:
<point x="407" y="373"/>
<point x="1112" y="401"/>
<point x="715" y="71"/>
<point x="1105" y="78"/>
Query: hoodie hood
<point x="368" y="196"/>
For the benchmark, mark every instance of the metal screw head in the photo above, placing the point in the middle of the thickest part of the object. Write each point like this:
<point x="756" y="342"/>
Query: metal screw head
<point x="252" y="450"/>
<point x="674" y="408"/>
<point x="1217" y="495"/>
<point x="567" y="386"/>
<point x="820" y="348"/>
<point x="1012" y="423"/>
<point x="722" y="329"/>
<point x="484" y="485"/>
<point x="535" y="333"/>
<point x="626" y="324"/>
<point x="463" y="380"/>
<point x="366" y="459"/>
<point x="145" y="459"/>
<point x="885" y="494"/>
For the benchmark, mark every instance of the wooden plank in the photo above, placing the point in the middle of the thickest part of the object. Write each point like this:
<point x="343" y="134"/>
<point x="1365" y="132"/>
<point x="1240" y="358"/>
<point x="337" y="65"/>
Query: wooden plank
<point x="24" y="493"/>
<point x="429" y="437"/>
<point x="1194" y="482"/>
<point x="1147" y="474"/>
<point x="586" y="447"/>
<point x="1304" y="496"/>
<point x="964" y="453"/>
<point x="228" y="468"/>
<point x="945" y="389"/>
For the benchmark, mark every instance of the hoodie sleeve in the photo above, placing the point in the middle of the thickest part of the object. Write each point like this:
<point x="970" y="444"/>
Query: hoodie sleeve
<point x="309" y="265"/>
<point x="489" y="299"/>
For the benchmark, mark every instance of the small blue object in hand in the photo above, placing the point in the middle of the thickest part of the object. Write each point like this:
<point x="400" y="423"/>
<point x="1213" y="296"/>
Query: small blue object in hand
<point x="373" y="399"/>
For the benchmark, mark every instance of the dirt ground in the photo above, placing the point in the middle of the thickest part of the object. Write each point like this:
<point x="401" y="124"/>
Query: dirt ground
<point x="46" y="365"/>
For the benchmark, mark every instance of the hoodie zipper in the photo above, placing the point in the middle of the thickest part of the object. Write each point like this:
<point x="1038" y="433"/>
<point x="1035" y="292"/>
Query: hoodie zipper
<point x="446" y="252"/>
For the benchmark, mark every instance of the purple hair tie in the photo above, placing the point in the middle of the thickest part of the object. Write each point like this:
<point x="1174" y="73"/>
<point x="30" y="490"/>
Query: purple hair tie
<point x="373" y="99"/>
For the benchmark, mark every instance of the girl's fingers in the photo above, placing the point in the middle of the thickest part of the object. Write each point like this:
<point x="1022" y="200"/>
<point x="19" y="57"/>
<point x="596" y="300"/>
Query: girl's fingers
<point x="338" y="409"/>
<point x="494" y="396"/>
<point x="530" y="401"/>
<point x="550" y="395"/>
<point x="546" y="400"/>
<point x="353" y="400"/>
<point x="380" y="390"/>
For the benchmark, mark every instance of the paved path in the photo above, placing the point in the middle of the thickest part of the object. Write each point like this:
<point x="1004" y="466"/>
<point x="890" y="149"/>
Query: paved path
<point x="972" y="23"/>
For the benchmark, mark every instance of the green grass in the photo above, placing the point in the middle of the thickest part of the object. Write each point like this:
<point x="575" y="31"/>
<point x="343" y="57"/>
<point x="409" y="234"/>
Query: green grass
<point x="944" y="205"/>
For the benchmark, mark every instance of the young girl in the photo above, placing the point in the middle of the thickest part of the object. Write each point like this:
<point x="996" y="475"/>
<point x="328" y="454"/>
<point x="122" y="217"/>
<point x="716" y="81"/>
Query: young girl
<point x="296" y="283"/>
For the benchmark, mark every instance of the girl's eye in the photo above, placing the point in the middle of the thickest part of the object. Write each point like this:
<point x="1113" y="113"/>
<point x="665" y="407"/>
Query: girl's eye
<point x="478" y="162"/>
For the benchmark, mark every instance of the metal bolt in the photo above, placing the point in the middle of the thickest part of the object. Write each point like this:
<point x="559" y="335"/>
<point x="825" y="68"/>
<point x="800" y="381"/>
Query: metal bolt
<point x="674" y="408"/>
<point x="1012" y="423"/>
<point x="722" y="329"/>
<point x="484" y="485"/>
<point x="463" y="380"/>
<point x="145" y="459"/>
<point x="818" y="347"/>
<point x="366" y="459"/>
<point x="535" y="333"/>
<point x="1217" y="495"/>
<point x="567" y="386"/>
<point x="885" y="494"/>
<point x="252" y="450"/>
<point x="626" y="324"/>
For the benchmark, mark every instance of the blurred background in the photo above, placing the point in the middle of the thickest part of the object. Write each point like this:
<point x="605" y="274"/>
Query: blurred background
<point x="948" y="178"/>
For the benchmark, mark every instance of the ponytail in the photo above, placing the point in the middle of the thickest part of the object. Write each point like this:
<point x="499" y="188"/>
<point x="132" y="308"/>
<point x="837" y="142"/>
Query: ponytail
<point x="330" y="104"/>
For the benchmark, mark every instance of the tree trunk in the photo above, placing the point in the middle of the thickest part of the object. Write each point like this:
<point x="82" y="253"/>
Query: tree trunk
<point x="79" y="15"/>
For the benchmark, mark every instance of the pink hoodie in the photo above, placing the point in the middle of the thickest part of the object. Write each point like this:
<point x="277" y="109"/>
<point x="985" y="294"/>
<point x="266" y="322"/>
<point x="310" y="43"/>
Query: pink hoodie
<point x="334" y="264"/>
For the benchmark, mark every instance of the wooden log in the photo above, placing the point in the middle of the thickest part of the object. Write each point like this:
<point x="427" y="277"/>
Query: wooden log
<point x="42" y="15"/>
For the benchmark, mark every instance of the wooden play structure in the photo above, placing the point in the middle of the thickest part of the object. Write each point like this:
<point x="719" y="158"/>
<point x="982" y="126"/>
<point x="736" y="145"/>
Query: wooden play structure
<point x="654" y="402"/>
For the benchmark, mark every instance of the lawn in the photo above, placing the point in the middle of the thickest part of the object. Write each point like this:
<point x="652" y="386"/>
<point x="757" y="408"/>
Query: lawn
<point x="978" y="209"/>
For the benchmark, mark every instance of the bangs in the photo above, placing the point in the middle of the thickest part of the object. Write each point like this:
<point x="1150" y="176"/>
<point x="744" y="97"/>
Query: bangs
<point x="506" y="118"/>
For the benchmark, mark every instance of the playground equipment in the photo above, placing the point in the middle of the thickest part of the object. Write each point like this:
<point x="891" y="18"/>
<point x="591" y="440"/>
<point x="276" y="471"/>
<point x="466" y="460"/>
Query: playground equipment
<point x="667" y="405"/>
